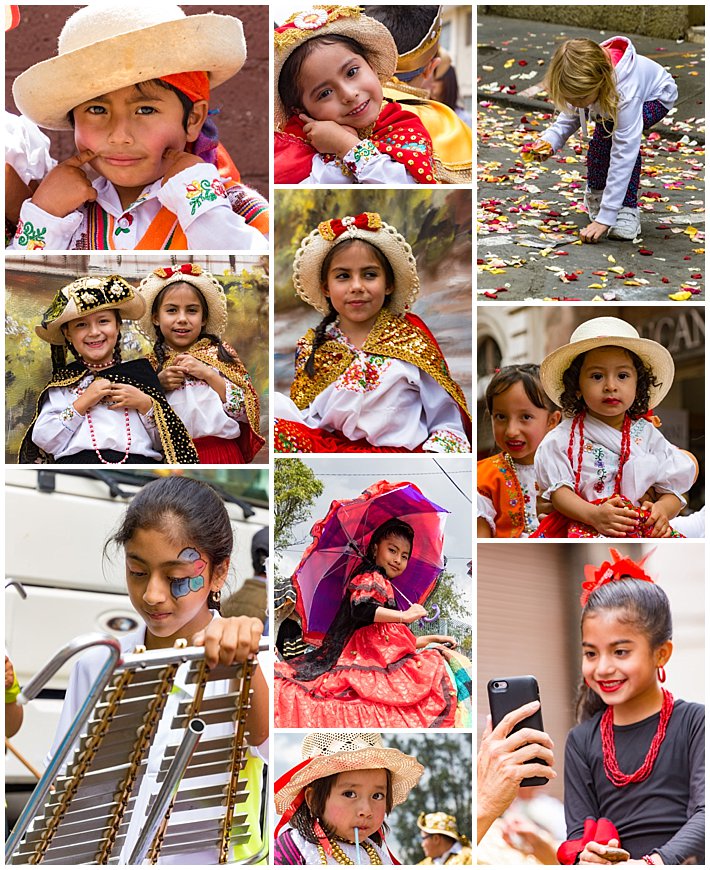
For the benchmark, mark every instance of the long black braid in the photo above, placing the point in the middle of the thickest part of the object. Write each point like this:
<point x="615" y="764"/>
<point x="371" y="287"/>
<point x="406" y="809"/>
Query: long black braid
<point x="320" y="338"/>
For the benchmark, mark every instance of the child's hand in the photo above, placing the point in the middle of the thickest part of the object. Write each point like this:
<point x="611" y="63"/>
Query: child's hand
<point x="97" y="390"/>
<point x="66" y="187"/>
<point x="125" y="396"/>
<point x="593" y="233"/>
<point x="188" y="365"/>
<point x="328" y="137"/>
<point x="235" y="639"/>
<point x="413" y="613"/>
<point x="9" y="674"/>
<point x="171" y="378"/>
<point x="592" y="853"/>
<point x="658" y="519"/>
<point x="541" y="150"/>
<point x="175" y="161"/>
<point x="613" y="519"/>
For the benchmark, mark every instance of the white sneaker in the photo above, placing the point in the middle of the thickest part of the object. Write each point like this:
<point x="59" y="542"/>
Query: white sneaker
<point x="593" y="202"/>
<point x="627" y="226"/>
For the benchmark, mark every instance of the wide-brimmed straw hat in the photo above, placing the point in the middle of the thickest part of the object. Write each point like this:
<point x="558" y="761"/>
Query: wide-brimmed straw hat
<point x="195" y="276"/>
<point x="329" y="21"/>
<point x="110" y="45"/>
<point x="86" y="296"/>
<point x="608" y="332"/>
<point x="327" y="752"/>
<point x="368" y="227"/>
<point x="440" y="823"/>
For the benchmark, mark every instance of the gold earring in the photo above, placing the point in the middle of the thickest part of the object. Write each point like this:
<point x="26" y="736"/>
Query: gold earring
<point x="217" y="596"/>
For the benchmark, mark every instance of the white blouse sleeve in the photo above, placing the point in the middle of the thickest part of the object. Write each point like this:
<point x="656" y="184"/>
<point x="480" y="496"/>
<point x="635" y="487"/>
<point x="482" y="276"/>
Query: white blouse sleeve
<point x="552" y="468"/>
<point x="676" y="470"/>
<point x="486" y="511"/>
<point x="367" y="164"/>
<point x="199" y="199"/>
<point x="57" y="422"/>
<point x="443" y="419"/>
<point x="37" y="230"/>
<point x="27" y="148"/>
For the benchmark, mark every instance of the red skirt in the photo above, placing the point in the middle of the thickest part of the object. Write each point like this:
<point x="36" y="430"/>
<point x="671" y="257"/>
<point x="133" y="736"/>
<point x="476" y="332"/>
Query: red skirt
<point x="291" y="437"/>
<point x="556" y="525"/>
<point x="218" y="451"/>
<point x="379" y="681"/>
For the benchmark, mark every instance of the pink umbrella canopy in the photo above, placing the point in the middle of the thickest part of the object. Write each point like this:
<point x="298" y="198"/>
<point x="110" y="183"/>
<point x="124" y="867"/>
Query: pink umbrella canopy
<point x="340" y="541"/>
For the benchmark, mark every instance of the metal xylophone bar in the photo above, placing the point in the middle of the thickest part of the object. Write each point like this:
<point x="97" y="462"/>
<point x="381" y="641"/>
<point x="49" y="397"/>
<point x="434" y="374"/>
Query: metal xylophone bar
<point x="94" y="799"/>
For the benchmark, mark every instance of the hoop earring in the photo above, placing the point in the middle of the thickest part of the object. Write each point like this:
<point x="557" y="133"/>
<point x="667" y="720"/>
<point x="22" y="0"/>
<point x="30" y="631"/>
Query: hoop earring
<point x="661" y="674"/>
<point x="217" y="596"/>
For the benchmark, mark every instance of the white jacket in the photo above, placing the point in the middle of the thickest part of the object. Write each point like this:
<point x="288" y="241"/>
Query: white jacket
<point x="638" y="80"/>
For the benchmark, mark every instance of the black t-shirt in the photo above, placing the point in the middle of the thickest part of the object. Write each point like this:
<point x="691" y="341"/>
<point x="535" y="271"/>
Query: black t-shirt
<point x="666" y="812"/>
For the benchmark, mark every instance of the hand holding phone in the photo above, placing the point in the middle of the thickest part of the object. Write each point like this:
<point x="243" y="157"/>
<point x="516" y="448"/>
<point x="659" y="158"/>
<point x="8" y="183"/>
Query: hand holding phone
<point x="507" y="694"/>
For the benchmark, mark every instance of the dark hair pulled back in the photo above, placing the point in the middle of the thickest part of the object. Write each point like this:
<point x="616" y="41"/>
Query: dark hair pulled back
<point x="641" y="604"/>
<point x="184" y="507"/>
<point x="529" y="376"/>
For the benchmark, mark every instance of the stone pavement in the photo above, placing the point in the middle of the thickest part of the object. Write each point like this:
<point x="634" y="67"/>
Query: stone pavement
<point x="530" y="214"/>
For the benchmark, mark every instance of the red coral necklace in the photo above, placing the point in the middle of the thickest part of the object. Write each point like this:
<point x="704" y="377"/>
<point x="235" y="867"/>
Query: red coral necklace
<point x="611" y="766"/>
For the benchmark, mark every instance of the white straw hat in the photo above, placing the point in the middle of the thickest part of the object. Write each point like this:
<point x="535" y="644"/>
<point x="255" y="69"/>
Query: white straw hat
<point x="339" y="751"/>
<point x="328" y="21"/>
<point x="106" y="46"/>
<point x="368" y="227"/>
<point x="195" y="276"/>
<point x="608" y="332"/>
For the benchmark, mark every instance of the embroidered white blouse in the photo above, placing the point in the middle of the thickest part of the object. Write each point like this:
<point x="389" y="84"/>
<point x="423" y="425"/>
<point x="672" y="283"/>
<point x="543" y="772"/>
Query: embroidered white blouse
<point x="364" y="164"/>
<point x="62" y="431"/>
<point x="528" y="485"/>
<point x="203" y="412"/>
<point x="205" y="215"/>
<point x="311" y="856"/>
<point x="389" y="402"/>
<point x="653" y="462"/>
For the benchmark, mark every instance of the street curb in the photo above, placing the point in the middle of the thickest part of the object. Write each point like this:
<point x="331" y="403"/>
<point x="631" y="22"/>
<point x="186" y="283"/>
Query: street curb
<point x="527" y="105"/>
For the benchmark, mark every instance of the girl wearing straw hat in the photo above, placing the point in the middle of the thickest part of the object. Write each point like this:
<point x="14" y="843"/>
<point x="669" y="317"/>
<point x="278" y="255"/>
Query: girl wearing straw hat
<point x="203" y="378"/>
<point x="99" y="408"/>
<point x="330" y="64"/>
<point x="598" y="465"/>
<point x="133" y="80"/>
<point x="370" y="377"/>
<point x="336" y="800"/>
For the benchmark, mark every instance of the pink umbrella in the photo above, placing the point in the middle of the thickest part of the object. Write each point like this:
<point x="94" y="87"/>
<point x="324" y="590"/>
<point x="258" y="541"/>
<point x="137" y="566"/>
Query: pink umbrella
<point x="340" y="540"/>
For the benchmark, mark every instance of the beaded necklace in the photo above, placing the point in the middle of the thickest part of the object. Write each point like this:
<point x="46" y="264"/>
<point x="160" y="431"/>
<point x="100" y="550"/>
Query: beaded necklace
<point x="611" y="766"/>
<point x="578" y="423"/>
<point x="90" y="422"/>
<point x="340" y="856"/>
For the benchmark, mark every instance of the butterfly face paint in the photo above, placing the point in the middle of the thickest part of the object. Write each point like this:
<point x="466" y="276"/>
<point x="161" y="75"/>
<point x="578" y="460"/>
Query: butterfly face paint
<point x="181" y="587"/>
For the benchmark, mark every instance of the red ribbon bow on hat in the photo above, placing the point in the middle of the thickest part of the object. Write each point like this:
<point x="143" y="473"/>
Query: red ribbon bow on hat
<point x="607" y="572"/>
<point x="332" y="229"/>
<point x="185" y="269"/>
<point x="595" y="831"/>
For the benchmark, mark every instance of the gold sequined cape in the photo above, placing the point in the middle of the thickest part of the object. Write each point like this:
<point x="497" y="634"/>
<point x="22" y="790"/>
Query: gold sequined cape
<point x="205" y="351"/>
<point x="176" y="444"/>
<point x="404" y="338"/>
<point x="451" y="137"/>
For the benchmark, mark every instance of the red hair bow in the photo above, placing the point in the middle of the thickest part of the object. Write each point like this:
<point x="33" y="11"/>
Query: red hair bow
<point x="607" y="572"/>
<point x="186" y="269"/>
<point x="331" y="230"/>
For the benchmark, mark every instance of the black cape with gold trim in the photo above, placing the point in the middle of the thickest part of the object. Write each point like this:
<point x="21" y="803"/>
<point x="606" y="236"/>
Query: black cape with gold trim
<point x="177" y="445"/>
<point x="404" y="338"/>
<point x="249" y="441"/>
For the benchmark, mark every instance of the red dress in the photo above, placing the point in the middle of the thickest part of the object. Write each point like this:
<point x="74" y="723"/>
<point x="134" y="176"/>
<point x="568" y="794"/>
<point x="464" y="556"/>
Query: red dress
<point x="380" y="680"/>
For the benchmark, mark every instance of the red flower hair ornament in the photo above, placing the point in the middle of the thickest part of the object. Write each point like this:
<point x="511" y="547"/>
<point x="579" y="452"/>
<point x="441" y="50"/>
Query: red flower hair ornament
<point x="607" y="572"/>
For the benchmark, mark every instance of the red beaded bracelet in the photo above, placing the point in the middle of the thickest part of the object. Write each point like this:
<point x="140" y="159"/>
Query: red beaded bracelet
<point x="648" y="859"/>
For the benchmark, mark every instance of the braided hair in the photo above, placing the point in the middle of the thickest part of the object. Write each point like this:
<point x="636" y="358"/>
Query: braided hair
<point x="321" y="330"/>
